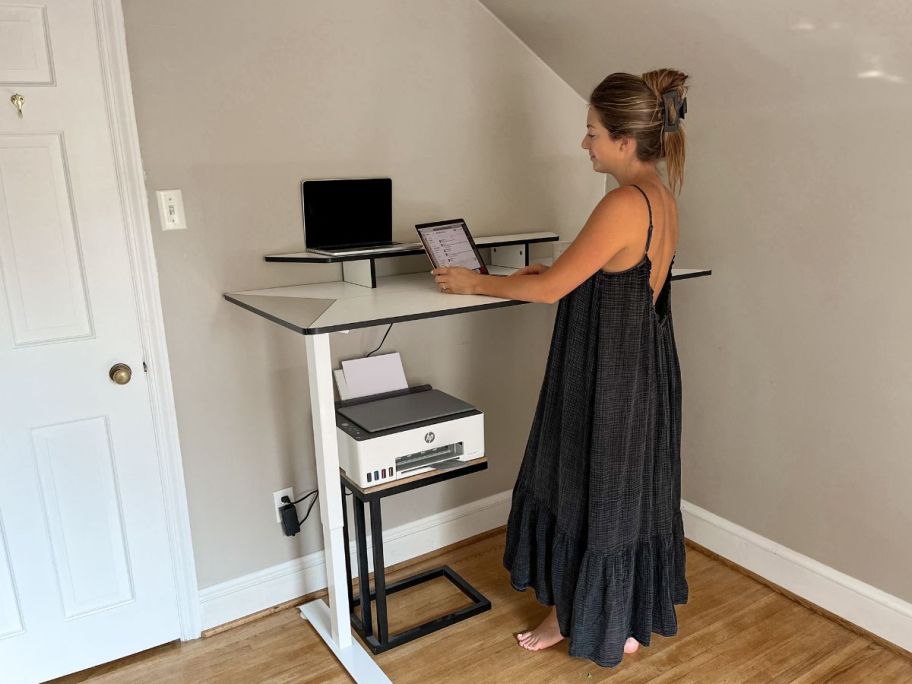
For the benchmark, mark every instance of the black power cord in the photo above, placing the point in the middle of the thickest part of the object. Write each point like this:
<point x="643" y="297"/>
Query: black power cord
<point x="381" y="341"/>
<point x="301" y="522"/>
<point x="286" y="500"/>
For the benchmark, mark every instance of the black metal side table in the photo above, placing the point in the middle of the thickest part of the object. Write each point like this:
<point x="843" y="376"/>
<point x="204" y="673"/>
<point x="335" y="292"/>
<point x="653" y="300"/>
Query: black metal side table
<point x="363" y="624"/>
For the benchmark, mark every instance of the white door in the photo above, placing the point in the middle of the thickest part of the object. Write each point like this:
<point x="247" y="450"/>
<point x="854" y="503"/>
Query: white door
<point x="85" y="564"/>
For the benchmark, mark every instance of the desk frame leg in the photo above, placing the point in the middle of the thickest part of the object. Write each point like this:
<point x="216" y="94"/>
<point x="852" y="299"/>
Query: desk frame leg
<point x="332" y="624"/>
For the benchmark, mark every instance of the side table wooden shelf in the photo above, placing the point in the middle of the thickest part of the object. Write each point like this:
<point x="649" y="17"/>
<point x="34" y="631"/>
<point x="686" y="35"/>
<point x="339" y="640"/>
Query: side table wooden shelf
<point x="364" y="624"/>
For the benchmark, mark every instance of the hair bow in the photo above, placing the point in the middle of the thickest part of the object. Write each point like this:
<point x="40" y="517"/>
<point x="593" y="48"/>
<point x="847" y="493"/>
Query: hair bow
<point x="672" y="102"/>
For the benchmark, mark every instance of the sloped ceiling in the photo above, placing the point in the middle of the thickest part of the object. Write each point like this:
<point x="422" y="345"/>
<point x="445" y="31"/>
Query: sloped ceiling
<point x="760" y="52"/>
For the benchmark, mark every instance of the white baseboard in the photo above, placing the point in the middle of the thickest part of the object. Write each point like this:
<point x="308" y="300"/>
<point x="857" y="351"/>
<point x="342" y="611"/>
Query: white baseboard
<point x="260" y="590"/>
<point x="862" y="604"/>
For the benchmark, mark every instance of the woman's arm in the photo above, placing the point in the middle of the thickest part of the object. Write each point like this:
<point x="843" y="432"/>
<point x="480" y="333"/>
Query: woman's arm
<point x="524" y="288"/>
<point x="614" y="225"/>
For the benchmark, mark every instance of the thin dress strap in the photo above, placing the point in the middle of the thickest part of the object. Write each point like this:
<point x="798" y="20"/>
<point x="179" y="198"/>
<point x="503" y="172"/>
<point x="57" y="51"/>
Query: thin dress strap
<point x="649" y="206"/>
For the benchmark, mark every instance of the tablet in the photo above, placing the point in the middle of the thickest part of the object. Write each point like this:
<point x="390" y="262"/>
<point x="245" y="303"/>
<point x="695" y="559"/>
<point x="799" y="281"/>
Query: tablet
<point x="449" y="243"/>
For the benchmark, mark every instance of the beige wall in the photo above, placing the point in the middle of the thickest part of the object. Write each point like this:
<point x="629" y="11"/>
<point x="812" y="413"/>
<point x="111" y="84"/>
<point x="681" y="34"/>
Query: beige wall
<point x="797" y="375"/>
<point x="236" y="102"/>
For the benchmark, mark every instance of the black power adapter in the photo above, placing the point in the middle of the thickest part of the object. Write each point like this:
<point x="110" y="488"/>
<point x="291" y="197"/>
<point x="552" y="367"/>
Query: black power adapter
<point x="289" y="514"/>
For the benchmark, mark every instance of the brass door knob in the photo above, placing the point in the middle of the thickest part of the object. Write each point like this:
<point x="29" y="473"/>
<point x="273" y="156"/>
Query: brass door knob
<point x="120" y="373"/>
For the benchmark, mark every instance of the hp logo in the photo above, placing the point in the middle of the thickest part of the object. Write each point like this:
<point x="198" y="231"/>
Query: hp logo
<point x="429" y="437"/>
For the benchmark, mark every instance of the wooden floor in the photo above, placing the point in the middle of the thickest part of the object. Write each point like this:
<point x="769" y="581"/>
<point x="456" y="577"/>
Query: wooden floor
<point x="733" y="629"/>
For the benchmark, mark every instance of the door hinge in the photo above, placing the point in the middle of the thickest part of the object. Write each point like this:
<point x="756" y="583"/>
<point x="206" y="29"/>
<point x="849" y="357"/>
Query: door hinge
<point x="145" y="367"/>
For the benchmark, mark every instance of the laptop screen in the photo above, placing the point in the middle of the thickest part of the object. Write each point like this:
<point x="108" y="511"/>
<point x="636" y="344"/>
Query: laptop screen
<point x="347" y="212"/>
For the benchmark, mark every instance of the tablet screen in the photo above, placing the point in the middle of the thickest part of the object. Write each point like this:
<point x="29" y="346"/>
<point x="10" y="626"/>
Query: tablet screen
<point x="449" y="243"/>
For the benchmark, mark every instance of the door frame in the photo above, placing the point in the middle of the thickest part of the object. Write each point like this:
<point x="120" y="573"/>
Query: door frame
<point x="109" y="22"/>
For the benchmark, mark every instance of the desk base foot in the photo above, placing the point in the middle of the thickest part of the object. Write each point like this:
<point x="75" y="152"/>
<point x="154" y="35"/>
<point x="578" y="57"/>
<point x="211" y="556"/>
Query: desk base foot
<point x="354" y="658"/>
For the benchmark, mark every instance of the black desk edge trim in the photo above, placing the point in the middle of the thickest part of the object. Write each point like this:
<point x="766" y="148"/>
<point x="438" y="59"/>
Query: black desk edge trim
<point x="371" y="323"/>
<point x="696" y="274"/>
<point x="269" y="317"/>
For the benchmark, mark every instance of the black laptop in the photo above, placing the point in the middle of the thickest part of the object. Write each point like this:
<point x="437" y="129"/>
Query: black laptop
<point x="348" y="215"/>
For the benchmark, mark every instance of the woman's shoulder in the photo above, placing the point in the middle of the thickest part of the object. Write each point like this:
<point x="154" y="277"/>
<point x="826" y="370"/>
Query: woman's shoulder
<point x="623" y="209"/>
<point x="640" y="199"/>
<point x="623" y="195"/>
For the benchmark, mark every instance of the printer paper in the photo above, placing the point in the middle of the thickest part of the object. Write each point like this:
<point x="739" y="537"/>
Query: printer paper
<point x="374" y="375"/>
<point x="340" y="384"/>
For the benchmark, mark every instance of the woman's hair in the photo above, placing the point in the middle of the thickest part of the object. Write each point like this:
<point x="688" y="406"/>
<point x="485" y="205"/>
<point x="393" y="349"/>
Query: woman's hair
<point x="646" y="108"/>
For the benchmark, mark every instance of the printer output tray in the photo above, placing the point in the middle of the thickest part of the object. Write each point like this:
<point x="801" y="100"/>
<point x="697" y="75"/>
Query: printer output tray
<point x="405" y="409"/>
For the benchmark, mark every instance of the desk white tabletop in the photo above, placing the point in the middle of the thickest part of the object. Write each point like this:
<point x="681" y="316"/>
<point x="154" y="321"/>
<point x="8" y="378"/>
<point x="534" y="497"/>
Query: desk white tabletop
<point x="333" y="306"/>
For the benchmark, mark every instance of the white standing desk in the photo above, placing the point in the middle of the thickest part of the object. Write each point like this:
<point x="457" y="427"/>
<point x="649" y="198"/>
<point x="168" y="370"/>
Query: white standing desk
<point x="315" y="311"/>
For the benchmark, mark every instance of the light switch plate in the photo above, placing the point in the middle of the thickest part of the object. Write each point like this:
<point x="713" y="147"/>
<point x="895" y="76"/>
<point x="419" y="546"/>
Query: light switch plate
<point x="171" y="210"/>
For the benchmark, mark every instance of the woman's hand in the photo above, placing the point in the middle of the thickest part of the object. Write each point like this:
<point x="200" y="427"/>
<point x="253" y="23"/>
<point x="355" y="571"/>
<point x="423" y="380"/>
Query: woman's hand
<point x="531" y="269"/>
<point x="456" y="280"/>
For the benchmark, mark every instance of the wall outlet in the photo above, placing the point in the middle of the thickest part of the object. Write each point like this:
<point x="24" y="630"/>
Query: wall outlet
<point x="171" y="210"/>
<point x="277" y="500"/>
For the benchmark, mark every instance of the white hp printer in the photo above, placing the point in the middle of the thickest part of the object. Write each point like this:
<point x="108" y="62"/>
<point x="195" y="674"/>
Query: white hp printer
<point x="394" y="435"/>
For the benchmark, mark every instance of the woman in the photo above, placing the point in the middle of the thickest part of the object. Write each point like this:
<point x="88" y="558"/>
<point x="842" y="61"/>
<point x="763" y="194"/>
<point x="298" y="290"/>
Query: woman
<point x="595" y="524"/>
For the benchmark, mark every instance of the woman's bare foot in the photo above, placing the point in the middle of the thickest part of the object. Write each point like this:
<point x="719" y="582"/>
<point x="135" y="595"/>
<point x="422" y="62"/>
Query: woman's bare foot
<point x="631" y="645"/>
<point x="545" y="635"/>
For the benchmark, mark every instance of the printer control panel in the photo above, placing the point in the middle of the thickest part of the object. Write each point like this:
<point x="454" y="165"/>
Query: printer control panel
<point x="351" y="429"/>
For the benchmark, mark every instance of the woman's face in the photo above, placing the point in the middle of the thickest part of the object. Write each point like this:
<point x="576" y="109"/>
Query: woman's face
<point x="604" y="153"/>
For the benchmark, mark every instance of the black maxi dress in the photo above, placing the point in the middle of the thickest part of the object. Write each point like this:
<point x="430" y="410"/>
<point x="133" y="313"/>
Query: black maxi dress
<point x="595" y="524"/>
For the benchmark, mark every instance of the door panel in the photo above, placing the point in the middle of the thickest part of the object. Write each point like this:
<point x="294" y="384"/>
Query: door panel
<point x="24" y="48"/>
<point x="39" y="256"/>
<point x="83" y="515"/>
